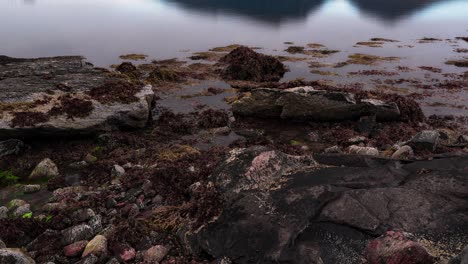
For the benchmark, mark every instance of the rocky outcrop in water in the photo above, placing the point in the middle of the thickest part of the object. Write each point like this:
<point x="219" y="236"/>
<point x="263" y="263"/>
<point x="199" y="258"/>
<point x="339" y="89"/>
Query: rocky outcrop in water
<point x="308" y="104"/>
<point x="67" y="95"/>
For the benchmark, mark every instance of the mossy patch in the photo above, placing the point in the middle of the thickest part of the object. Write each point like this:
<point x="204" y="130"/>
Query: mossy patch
<point x="431" y="69"/>
<point x="133" y="56"/>
<point x="324" y="73"/>
<point x="206" y="55"/>
<point x="458" y="63"/>
<point x="315" y="45"/>
<point x="295" y="49"/>
<point x="372" y="44"/>
<point x="11" y="106"/>
<point x="374" y="73"/>
<point x="459" y="50"/>
<point x="365" y="59"/>
<point x="291" y="58"/>
<point x="7" y="178"/>
<point x="177" y="152"/>
<point x="228" y="48"/>
<point x="383" y="40"/>
<point x="163" y="74"/>
<point x="429" y="40"/>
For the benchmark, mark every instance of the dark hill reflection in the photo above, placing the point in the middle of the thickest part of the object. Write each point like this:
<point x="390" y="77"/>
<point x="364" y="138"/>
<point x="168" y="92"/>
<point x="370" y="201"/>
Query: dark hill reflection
<point x="392" y="10"/>
<point x="275" y="11"/>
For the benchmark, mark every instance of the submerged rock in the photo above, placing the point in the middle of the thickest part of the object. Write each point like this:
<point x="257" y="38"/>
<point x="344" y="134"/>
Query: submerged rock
<point x="308" y="104"/>
<point x="31" y="188"/>
<point x="11" y="147"/>
<point x="65" y="96"/>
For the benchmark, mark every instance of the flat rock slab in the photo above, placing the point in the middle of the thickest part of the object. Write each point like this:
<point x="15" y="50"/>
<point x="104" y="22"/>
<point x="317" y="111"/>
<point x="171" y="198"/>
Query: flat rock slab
<point x="308" y="104"/>
<point x="287" y="209"/>
<point x="67" y="96"/>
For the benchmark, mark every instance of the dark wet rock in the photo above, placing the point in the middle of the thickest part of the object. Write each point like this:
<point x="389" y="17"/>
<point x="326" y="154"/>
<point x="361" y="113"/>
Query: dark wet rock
<point x="82" y="215"/>
<point x="125" y="253"/>
<point x="367" y="124"/>
<point x="287" y="209"/>
<point x="427" y="139"/>
<point x="308" y="104"/>
<point x="245" y="64"/>
<point x="463" y="139"/>
<point x="15" y="255"/>
<point x="45" y="169"/>
<point x="3" y="212"/>
<point x="126" y="67"/>
<point x="397" y="247"/>
<point x="461" y="258"/>
<point x="113" y="261"/>
<point x="77" y="233"/>
<point x="48" y="241"/>
<point x="91" y="259"/>
<point x="67" y="96"/>
<point x="11" y="147"/>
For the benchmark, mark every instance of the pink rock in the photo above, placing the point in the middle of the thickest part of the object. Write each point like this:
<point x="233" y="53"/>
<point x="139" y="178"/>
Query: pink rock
<point x="75" y="249"/>
<point x="127" y="254"/>
<point x="396" y="248"/>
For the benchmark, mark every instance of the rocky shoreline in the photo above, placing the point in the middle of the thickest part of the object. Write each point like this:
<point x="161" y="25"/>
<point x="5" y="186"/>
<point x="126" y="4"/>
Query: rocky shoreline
<point x="96" y="168"/>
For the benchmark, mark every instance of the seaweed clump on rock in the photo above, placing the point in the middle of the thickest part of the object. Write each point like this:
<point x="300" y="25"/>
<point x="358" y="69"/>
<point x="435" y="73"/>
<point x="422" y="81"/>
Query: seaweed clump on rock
<point x="247" y="65"/>
<point x="115" y="91"/>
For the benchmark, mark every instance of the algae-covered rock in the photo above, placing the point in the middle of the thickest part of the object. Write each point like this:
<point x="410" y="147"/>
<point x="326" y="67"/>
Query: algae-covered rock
<point x="245" y="64"/>
<point x="67" y="96"/>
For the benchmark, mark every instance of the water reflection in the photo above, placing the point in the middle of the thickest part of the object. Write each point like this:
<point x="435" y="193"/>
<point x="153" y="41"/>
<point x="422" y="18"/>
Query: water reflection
<point x="276" y="11"/>
<point x="395" y="9"/>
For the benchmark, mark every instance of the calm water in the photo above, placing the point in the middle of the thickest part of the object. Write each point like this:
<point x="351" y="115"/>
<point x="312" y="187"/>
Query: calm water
<point x="102" y="30"/>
